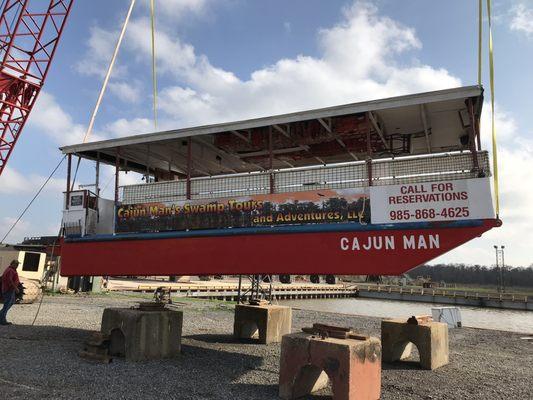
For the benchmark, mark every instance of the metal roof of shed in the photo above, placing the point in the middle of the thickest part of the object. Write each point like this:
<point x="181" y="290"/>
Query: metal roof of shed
<point x="432" y="121"/>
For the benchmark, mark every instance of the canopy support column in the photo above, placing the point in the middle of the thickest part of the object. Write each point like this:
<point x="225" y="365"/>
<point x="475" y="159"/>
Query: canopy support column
<point x="117" y="175"/>
<point x="97" y="177"/>
<point x="189" y="166"/>
<point x="472" y="134"/>
<point x="69" y="171"/>
<point x="368" y="150"/>
<point x="271" y="161"/>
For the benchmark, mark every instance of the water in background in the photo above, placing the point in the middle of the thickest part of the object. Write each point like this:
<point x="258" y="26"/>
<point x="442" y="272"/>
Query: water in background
<point x="487" y="318"/>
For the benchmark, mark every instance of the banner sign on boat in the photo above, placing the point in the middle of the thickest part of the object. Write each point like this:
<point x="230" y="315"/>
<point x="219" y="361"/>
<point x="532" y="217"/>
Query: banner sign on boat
<point x="432" y="201"/>
<point x="309" y="207"/>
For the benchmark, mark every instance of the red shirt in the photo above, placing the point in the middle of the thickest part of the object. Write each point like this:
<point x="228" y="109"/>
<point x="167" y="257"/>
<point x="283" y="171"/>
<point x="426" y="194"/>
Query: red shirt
<point x="10" y="280"/>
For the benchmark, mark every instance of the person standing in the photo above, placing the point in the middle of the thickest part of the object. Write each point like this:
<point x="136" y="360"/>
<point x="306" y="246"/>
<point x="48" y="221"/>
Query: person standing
<point x="10" y="287"/>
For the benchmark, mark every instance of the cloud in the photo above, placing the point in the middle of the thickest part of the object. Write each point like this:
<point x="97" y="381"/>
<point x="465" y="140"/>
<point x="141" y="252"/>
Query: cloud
<point x="20" y="231"/>
<point x="515" y="160"/>
<point x="522" y="19"/>
<point x="362" y="57"/>
<point x="125" y="127"/>
<point x="128" y="92"/>
<point x="16" y="183"/>
<point x="176" y="9"/>
<point x="102" y="42"/>
<point x="24" y="229"/>
<point x="100" y="47"/>
<point x="357" y="62"/>
<point x="49" y="117"/>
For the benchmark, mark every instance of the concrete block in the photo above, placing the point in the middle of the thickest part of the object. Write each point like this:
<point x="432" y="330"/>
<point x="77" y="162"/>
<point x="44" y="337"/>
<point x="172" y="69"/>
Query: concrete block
<point x="430" y="338"/>
<point x="142" y="335"/>
<point x="270" y="321"/>
<point x="307" y="363"/>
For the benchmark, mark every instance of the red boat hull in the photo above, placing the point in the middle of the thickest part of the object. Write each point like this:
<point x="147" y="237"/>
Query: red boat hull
<point x="389" y="250"/>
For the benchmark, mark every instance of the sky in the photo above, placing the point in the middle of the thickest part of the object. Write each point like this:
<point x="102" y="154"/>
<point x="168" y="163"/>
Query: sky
<point x="228" y="60"/>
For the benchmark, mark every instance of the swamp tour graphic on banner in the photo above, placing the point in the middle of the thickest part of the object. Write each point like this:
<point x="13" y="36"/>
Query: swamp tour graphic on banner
<point x="391" y="204"/>
<point x="311" y="207"/>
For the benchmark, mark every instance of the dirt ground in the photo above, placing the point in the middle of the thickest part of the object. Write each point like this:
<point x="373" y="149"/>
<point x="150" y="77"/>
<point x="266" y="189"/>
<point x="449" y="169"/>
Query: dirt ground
<point x="41" y="361"/>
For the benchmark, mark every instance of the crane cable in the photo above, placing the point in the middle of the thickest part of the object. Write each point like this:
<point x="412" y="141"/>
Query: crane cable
<point x="104" y="85"/>
<point x="492" y="96"/>
<point x="33" y="199"/>
<point x="480" y="42"/>
<point x="90" y="127"/>
<point x="154" y="72"/>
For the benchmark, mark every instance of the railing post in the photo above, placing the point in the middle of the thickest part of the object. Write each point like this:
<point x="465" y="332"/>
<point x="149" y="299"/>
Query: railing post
<point x="271" y="160"/>
<point x="117" y="173"/>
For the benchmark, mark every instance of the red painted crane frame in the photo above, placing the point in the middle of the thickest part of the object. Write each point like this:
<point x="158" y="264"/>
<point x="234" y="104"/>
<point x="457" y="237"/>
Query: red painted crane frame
<point x="29" y="33"/>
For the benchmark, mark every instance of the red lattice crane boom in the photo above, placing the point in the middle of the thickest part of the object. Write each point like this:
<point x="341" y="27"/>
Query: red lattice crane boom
<point x="29" y="33"/>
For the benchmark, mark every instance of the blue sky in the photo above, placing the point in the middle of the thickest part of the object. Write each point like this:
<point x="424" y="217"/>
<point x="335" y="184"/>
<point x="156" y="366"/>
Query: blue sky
<point x="232" y="59"/>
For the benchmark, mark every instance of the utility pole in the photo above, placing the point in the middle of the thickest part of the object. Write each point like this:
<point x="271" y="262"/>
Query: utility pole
<point x="500" y="267"/>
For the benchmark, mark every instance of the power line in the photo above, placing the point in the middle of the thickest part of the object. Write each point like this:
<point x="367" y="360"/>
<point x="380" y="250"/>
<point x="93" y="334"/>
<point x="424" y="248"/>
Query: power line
<point x="33" y="199"/>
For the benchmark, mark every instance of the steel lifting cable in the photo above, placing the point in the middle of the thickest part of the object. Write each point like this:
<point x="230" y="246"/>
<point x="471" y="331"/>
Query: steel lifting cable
<point x="104" y="85"/>
<point x="91" y="124"/>
<point x="480" y="42"/>
<point x="492" y="96"/>
<point x="154" y="72"/>
<point x="33" y="199"/>
<point x="45" y="278"/>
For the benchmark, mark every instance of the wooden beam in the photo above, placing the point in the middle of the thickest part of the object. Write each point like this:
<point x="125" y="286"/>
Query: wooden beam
<point x="241" y="136"/>
<point x="328" y="128"/>
<point x="222" y="153"/>
<point x="282" y="131"/>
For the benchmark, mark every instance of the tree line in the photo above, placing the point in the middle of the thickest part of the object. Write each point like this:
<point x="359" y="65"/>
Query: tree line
<point x="476" y="274"/>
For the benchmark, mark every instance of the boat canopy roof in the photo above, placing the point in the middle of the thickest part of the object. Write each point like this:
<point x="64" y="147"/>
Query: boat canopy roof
<point x="417" y="124"/>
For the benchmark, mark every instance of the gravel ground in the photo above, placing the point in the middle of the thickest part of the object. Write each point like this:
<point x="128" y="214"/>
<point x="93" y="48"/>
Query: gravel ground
<point x="41" y="362"/>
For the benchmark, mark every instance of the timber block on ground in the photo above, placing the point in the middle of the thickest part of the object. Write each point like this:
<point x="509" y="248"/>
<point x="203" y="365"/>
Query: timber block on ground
<point x="271" y="321"/>
<point x="353" y="367"/>
<point x="140" y="335"/>
<point x="430" y="338"/>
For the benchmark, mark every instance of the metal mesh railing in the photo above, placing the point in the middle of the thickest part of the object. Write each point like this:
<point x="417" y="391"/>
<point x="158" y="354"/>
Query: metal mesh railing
<point x="332" y="177"/>
<point x="154" y="192"/>
<point x="431" y="168"/>
<point x="384" y="172"/>
<point x="230" y="186"/>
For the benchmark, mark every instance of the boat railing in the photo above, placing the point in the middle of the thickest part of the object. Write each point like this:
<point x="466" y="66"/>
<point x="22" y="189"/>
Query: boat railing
<point x="404" y="170"/>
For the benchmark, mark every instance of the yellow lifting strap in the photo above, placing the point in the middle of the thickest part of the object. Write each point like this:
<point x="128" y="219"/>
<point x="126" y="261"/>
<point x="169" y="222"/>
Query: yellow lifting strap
<point x="154" y="73"/>
<point x="492" y="95"/>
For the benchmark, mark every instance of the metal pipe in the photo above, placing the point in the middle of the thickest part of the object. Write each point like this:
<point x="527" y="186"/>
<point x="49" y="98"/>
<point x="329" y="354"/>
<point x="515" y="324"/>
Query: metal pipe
<point x="503" y="268"/>
<point x="472" y="134"/>
<point x="108" y="74"/>
<point x="271" y="160"/>
<point x="67" y="193"/>
<point x="97" y="179"/>
<point x="368" y="150"/>
<point x="189" y="167"/>
<point x="117" y="173"/>
<point x="498" y="269"/>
